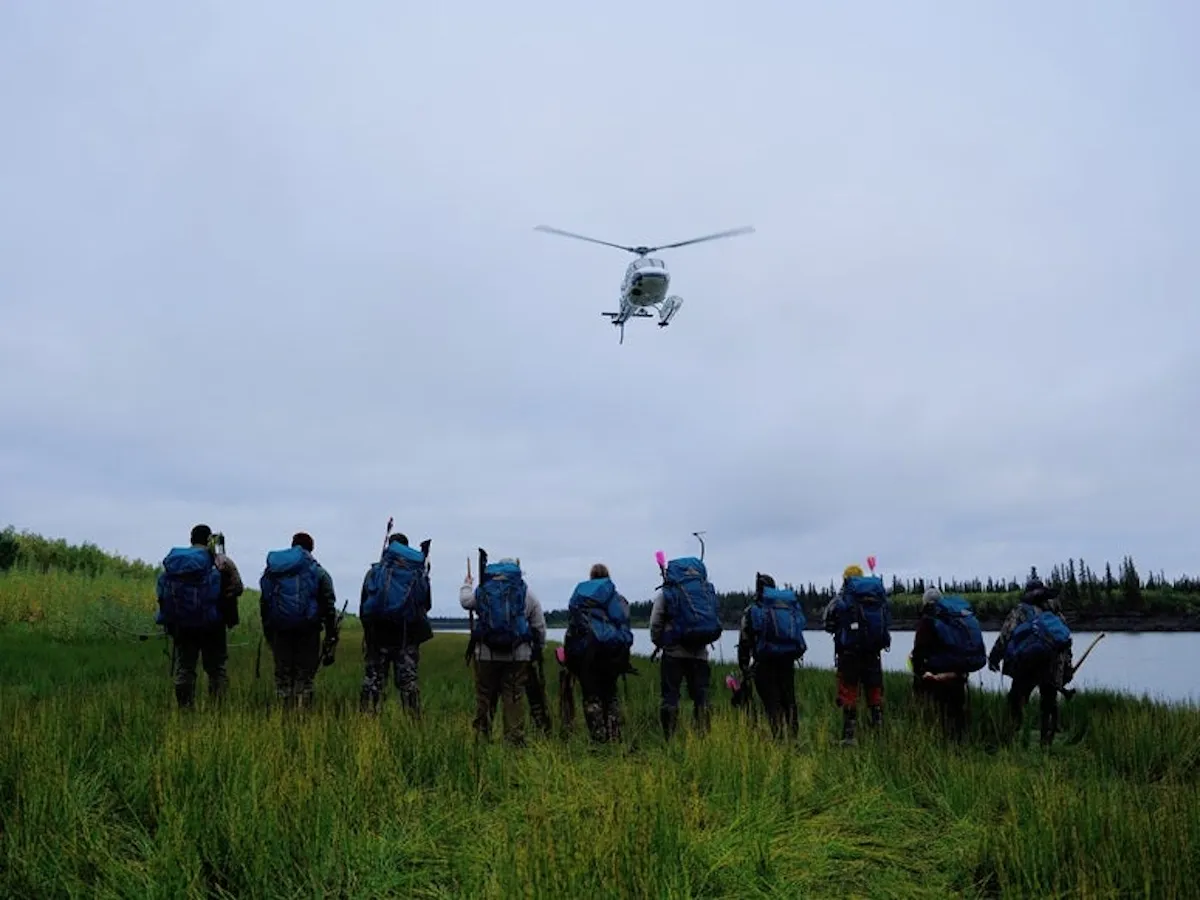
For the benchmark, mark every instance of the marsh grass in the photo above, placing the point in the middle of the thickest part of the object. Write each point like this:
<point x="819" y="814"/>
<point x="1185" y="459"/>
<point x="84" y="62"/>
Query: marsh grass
<point x="107" y="790"/>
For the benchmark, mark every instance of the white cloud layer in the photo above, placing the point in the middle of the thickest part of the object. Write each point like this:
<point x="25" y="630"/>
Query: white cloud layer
<point x="272" y="267"/>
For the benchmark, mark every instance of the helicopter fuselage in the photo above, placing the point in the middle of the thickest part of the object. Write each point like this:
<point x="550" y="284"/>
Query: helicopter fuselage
<point x="646" y="282"/>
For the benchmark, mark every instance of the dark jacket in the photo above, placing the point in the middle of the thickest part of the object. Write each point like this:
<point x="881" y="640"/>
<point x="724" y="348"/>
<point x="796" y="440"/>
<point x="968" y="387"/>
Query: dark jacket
<point x="925" y="639"/>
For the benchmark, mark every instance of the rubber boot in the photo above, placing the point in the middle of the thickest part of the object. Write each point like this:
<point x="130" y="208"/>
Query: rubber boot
<point x="876" y="716"/>
<point x="1049" y="726"/>
<point x="185" y="695"/>
<point x="613" y="718"/>
<point x="669" y="719"/>
<point x="849" y="721"/>
<point x="368" y="703"/>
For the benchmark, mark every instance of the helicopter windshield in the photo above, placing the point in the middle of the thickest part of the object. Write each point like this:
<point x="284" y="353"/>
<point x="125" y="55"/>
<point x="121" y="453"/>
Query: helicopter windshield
<point x="647" y="262"/>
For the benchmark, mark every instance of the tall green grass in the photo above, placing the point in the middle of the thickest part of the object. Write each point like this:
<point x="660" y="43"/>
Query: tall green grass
<point x="107" y="790"/>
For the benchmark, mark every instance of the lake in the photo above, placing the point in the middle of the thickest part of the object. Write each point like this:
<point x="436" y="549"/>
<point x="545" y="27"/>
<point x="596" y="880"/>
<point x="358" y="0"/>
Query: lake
<point x="1162" y="665"/>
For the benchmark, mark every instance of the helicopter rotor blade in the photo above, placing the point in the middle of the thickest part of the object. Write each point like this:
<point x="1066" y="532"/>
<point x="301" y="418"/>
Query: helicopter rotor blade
<point x="745" y="229"/>
<point x="571" y="234"/>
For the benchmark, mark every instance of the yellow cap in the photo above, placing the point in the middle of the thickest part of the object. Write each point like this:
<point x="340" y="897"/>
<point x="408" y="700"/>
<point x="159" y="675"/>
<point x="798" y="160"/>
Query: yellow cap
<point x="852" y="571"/>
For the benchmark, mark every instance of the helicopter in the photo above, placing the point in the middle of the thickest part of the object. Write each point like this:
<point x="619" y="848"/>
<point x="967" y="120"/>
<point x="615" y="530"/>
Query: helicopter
<point x="646" y="280"/>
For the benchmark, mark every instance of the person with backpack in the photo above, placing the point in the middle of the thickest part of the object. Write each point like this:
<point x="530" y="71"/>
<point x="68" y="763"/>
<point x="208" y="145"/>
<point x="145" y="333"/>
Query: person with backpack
<point x="198" y="593"/>
<point x="947" y="648"/>
<point x="394" y="610"/>
<point x="860" y="619"/>
<point x="297" y="599"/>
<point x="770" y="642"/>
<point x="508" y="623"/>
<point x="596" y="647"/>
<point x="1034" y="648"/>
<point x="684" y="620"/>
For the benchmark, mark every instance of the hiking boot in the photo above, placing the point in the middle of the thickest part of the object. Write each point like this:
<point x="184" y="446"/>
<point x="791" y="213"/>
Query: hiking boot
<point x="876" y="716"/>
<point x="849" y="721"/>
<point x="185" y="695"/>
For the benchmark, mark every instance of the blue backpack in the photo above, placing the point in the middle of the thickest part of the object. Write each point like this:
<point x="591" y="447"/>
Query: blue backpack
<point x="693" y="611"/>
<point x="500" y="621"/>
<point x="864" y="616"/>
<point x="189" y="589"/>
<point x="778" y="620"/>
<point x="959" y="637"/>
<point x="1037" y="640"/>
<point x="395" y="589"/>
<point x="289" y="589"/>
<point x="598" y="620"/>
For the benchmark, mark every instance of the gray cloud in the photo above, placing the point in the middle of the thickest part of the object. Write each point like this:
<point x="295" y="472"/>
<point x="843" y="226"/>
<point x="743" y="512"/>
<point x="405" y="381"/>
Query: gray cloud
<point x="277" y="272"/>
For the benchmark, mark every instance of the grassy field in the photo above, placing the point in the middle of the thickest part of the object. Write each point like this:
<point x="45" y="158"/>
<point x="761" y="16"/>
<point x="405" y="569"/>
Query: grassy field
<point x="106" y="790"/>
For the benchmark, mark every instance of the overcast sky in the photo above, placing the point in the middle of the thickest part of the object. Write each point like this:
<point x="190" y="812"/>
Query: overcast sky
<point x="272" y="267"/>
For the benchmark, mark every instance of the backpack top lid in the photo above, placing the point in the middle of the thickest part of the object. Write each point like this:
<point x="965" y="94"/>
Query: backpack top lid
<point x="596" y="589"/>
<point x="772" y="595"/>
<point x="286" y="562"/>
<point x="502" y="570"/>
<point x="402" y="553"/>
<point x="187" y="560"/>
<point x="686" y="568"/>
<point x="953" y="605"/>
<point x="865" y="586"/>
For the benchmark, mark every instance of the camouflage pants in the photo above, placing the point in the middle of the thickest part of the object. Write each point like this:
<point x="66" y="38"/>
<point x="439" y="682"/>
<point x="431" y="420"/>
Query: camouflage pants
<point x="500" y="682"/>
<point x="601" y="709"/>
<point x="210" y="645"/>
<point x="297" y="659"/>
<point x="399" y="661"/>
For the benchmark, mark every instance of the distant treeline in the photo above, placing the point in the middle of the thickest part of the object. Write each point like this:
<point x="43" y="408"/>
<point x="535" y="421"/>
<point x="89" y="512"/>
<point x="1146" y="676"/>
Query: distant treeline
<point x="1085" y="593"/>
<point x="32" y="552"/>
<point x="1082" y="592"/>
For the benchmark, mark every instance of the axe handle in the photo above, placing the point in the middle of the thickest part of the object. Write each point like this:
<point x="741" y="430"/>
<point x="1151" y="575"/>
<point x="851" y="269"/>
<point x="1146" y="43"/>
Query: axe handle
<point x="1091" y="647"/>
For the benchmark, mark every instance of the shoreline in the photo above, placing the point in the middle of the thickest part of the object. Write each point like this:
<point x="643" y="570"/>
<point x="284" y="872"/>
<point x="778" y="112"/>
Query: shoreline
<point x="1112" y="623"/>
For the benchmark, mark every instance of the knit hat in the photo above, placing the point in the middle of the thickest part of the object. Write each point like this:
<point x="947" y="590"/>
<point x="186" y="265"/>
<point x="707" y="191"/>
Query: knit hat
<point x="852" y="571"/>
<point x="932" y="595"/>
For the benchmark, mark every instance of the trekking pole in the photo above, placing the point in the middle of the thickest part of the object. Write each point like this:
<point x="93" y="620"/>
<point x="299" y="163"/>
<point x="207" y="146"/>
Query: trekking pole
<point x="470" y="612"/>
<point x="258" y="657"/>
<point x="697" y="536"/>
<point x="661" y="559"/>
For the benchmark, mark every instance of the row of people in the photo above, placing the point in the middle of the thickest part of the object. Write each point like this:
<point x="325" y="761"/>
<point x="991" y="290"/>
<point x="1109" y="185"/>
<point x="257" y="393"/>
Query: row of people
<point x="199" y="588"/>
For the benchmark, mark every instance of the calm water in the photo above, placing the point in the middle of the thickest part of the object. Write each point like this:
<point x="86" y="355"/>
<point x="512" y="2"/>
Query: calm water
<point x="1165" y="666"/>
